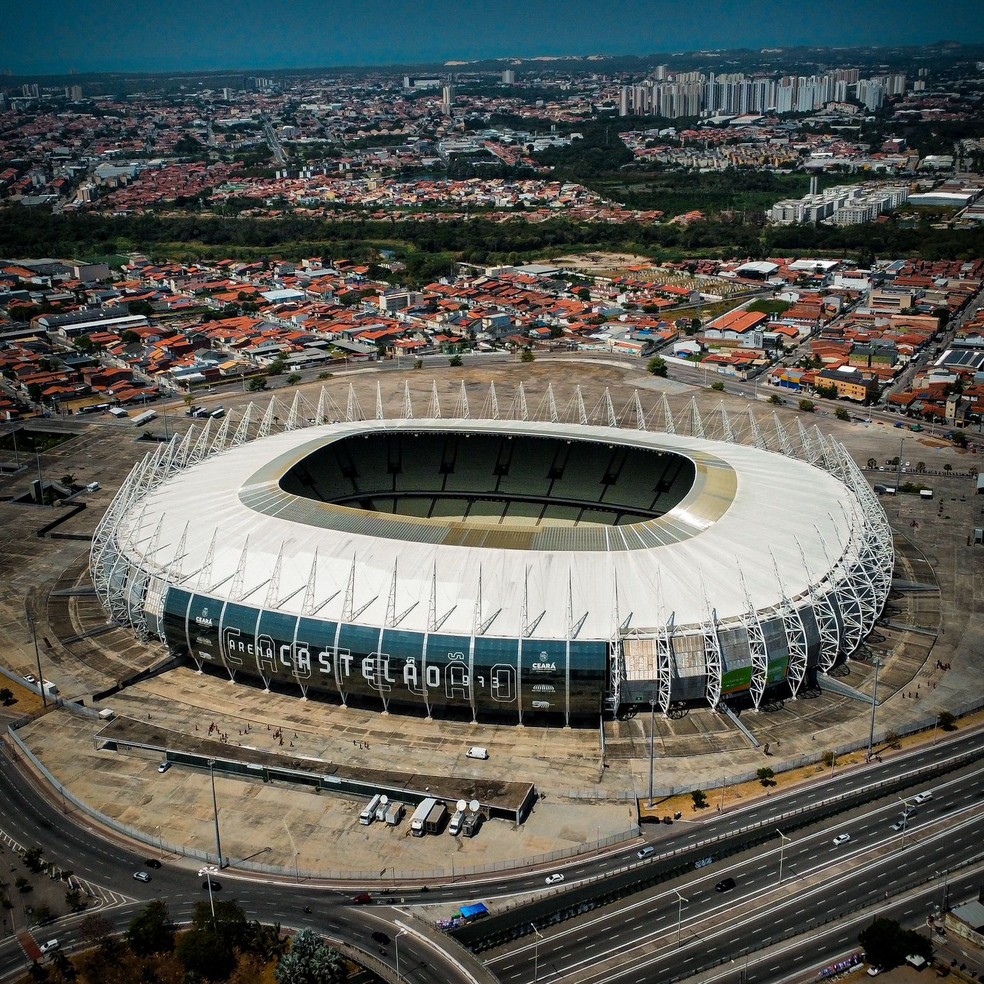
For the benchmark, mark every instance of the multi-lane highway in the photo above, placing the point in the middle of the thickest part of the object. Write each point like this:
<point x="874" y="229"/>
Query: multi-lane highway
<point x="818" y="879"/>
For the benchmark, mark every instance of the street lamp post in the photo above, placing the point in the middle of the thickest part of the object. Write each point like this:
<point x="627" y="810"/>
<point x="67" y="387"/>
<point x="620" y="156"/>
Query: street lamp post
<point x="536" y="953"/>
<point x="294" y="848"/>
<point x="215" y="811"/>
<point x="874" y="705"/>
<point x="935" y="726"/>
<point x="396" y="941"/>
<point x="652" y="745"/>
<point x="37" y="656"/>
<point x="782" y="848"/>
<point x="680" y="901"/>
<point x="208" y="871"/>
<point x="160" y="841"/>
<point x="905" y="817"/>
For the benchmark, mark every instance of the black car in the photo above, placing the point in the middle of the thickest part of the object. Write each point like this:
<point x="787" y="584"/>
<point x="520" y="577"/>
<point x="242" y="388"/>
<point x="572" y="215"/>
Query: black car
<point x="380" y="937"/>
<point x="152" y="863"/>
<point x="725" y="885"/>
<point x="212" y="884"/>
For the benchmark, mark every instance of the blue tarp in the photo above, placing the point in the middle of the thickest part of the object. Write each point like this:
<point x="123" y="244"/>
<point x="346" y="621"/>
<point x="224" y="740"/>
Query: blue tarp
<point x="474" y="911"/>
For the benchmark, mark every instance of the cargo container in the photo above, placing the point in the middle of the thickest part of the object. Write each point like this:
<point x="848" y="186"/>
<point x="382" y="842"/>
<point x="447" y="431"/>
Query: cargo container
<point x="925" y="493"/>
<point x="367" y="816"/>
<point x="436" y="819"/>
<point x="394" y="814"/>
<point x="419" y="819"/>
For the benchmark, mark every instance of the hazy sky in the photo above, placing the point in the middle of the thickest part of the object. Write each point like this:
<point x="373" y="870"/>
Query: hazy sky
<point x="59" y="36"/>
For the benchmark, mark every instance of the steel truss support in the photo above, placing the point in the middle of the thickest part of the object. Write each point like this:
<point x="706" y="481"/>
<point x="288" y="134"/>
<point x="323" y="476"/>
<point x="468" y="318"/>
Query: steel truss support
<point x="461" y="410"/>
<point x="785" y="445"/>
<point x="726" y="428"/>
<point x="669" y="427"/>
<point x="610" y="417"/>
<point x="808" y="449"/>
<point x="757" y="439"/>
<point x="266" y="424"/>
<point x="639" y="415"/>
<point x="797" y="645"/>
<point x="242" y="430"/>
<point x="713" y="662"/>
<point x="434" y="410"/>
<point x="696" y="424"/>
<point x="825" y="617"/>
<point x="758" y="650"/>
<point x="491" y="408"/>
<point x="521" y="410"/>
<point x="353" y="411"/>
<point x="664" y="652"/>
<point x="407" y="404"/>
<point x="294" y="414"/>
<point x="616" y="655"/>
<point x="582" y="413"/>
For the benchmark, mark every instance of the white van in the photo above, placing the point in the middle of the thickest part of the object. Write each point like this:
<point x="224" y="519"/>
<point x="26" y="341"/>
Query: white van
<point x="477" y="752"/>
<point x="454" y="827"/>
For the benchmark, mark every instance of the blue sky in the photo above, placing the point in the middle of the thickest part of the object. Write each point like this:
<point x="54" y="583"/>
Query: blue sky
<point x="59" y="36"/>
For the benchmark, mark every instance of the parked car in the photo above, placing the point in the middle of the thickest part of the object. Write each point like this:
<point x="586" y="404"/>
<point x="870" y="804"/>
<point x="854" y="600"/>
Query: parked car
<point x="164" y="766"/>
<point x="141" y="876"/>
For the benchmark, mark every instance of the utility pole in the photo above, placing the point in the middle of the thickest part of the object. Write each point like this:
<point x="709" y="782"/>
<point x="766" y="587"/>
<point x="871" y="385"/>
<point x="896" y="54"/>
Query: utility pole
<point x="37" y="656"/>
<point x="874" y="704"/>
<point x="782" y="847"/>
<point x="536" y="953"/>
<point x="215" y="811"/>
<point x="652" y="745"/>
<point x="680" y="901"/>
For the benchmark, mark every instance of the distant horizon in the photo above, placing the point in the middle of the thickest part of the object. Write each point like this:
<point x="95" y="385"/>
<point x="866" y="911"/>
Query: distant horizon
<point x="99" y="37"/>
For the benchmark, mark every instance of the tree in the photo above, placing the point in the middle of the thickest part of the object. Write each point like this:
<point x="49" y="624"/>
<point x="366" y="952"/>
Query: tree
<point x="207" y="953"/>
<point x="776" y="400"/>
<point x="151" y="930"/>
<point x="310" y="961"/>
<point x="293" y="379"/>
<point x="455" y="361"/>
<point x="766" y="776"/>
<point x="947" y="721"/>
<point x="43" y="914"/>
<point x="68" y="479"/>
<point x="95" y="928"/>
<point x="717" y="386"/>
<point x="700" y="799"/>
<point x="256" y="384"/>
<point x="872" y="463"/>
<point x="807" y="406"/>
<point x="948" y="468"/>
<point x="920" y="466"/>
<point x="32" y="859"/>
<point x="76" y="900"/>
<point x="841" y="414"/>
<point x="657" y="366"/>
<point x="527" y="355"/>
<point x="277" y="367"/>
<point x="7" y="697"/>
<point x="886" y="944"/>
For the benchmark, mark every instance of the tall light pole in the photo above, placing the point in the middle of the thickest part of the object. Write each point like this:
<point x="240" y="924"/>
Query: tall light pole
<point x="37" y="656"/>
<point x="874" y="705"/>
<point x="215" y="811"/>
<point x="782" y="848"/>
<point x="536" y="953"/>
<point x="208" y="871"/>
<point x="294" y="848"/>
<point x="396" y="942"/>
<point x="935" y="726"/>
<point x="905" y="817"/>
<point x="652" y="744"/>
<point x="680" y="901"/>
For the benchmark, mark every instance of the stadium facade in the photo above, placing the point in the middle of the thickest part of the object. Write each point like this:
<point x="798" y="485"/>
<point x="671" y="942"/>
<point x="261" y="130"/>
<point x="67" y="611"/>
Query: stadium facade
<point x="536" y="572"/>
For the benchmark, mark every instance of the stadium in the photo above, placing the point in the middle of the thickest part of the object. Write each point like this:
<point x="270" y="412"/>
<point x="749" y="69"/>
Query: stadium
<point x="523" y="571"/>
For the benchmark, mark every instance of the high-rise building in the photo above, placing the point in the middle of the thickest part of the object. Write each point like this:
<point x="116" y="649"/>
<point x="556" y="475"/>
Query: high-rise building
<point x="447" y="99"/>
<point x="508" y="77"/>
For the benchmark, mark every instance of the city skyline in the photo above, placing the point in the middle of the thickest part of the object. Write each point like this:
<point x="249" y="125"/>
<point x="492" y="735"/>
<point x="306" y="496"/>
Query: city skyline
<point x="182" y="36"/>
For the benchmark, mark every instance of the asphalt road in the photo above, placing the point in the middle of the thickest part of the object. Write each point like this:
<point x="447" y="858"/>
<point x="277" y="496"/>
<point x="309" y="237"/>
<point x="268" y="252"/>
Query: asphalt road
<point x="69" y="840"/>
